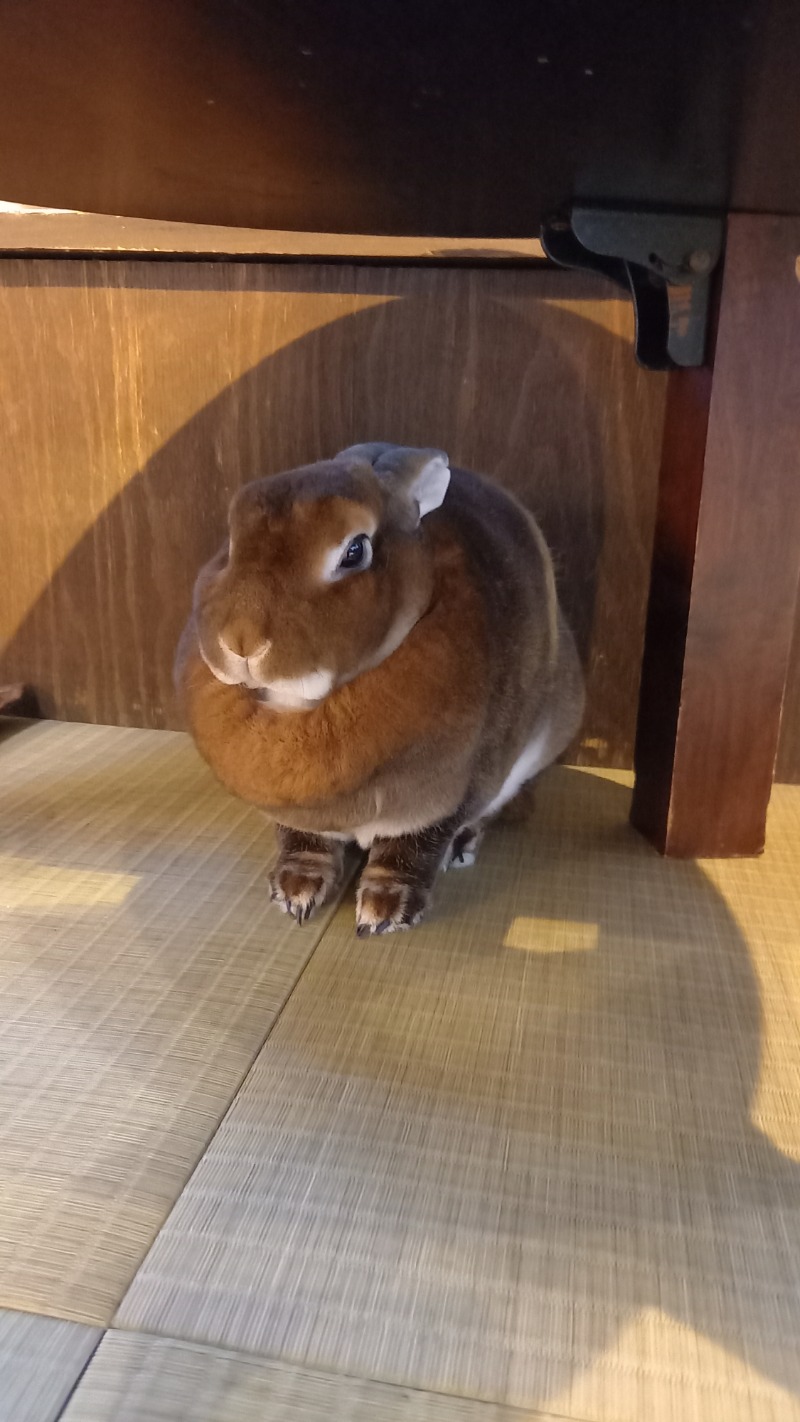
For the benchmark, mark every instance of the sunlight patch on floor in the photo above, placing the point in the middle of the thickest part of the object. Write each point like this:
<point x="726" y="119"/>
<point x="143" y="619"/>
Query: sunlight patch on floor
<point x="651" y="1350"/>
<point x="26" y="884"/>
<point x="551" y="935"/>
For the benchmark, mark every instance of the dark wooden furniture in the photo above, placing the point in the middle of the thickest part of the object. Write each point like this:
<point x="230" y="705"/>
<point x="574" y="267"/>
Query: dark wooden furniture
<point x="476" y="118"/>
<point x="725" y="563"/>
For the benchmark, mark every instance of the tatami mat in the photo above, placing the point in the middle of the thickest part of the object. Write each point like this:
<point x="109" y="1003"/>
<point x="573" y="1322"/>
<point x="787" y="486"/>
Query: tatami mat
<point x="140" y="970"/>
<point x="543" y="1150"/>
<point x="141" y="1379"/>
<point x="41" y="1360"/>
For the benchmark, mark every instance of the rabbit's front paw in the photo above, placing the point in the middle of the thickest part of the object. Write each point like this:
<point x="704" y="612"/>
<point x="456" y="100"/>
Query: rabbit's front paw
<point x="387" y="905"/>
<point x="307" y="874"/>
<point x="297" y="894"/>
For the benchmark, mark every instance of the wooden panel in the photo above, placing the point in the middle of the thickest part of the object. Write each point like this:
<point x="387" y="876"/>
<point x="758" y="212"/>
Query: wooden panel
<point x="726" y="563"/>
<point x="139" y="395"/>
<point x="532" y="379"/>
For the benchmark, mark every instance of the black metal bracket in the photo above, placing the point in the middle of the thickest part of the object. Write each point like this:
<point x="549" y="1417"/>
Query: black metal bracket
<point x="664" y="260"/>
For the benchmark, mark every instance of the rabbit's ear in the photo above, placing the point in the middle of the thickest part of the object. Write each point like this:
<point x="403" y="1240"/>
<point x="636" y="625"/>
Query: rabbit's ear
<point x="422" y="474"/>
<point x="369" y="453"/>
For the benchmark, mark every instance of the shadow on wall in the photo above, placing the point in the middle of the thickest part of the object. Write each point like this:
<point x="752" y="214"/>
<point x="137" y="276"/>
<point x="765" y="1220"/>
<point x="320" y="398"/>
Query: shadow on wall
<point x="506" y="389"/>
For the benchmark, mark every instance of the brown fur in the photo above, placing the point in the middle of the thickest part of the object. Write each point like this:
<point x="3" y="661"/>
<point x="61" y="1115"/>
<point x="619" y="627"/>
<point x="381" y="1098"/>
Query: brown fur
<point x="448" y="656"/>
<point x="311" y="765"/>
<point x="280" y="529"/>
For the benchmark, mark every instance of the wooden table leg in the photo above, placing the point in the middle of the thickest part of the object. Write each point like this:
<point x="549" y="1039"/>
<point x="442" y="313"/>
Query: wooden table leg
<point x="725" y="563"/>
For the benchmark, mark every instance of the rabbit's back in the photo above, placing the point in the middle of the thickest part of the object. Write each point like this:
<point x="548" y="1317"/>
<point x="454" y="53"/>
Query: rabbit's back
<point x="535" y="683"/>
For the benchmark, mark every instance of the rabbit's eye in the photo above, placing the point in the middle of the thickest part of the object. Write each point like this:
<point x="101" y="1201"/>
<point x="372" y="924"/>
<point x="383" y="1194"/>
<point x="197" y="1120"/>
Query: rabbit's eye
<point x="357" y="554"/>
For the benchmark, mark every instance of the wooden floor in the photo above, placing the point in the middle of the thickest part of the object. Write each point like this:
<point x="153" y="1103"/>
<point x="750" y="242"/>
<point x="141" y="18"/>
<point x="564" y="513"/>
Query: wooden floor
<point x="539" y="1158"/>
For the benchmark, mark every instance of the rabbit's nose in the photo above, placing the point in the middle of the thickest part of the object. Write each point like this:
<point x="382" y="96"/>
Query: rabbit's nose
<point x="244" y="639"/>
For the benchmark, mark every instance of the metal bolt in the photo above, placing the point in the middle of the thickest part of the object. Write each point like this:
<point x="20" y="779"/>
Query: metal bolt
<point x="699" y="262"/>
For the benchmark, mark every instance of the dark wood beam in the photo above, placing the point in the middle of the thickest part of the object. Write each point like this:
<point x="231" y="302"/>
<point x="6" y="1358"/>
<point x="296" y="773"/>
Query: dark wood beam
<point x="725" y="563"/>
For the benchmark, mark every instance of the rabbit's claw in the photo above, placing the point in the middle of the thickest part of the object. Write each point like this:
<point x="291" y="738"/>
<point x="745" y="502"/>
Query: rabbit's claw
<point x="388" y="906"/>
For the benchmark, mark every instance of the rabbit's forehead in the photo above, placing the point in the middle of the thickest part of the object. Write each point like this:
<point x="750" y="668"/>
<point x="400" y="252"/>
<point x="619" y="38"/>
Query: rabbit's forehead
<point x="327" y="521"/>
<point x="312" y="526"/>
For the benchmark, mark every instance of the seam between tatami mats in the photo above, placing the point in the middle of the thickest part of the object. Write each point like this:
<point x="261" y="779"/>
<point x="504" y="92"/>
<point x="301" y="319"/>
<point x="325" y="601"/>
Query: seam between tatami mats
<point x="287" y="1365"/>
<point x="55" y="1317"/>
<point x="81" y="1375"/>
<point x="238" y="1088"/>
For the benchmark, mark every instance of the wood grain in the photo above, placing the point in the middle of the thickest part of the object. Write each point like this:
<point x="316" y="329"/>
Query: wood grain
<point x="726" y="564"/>
<point x="139" y="395"/>
<point x="137" y="400"/>
<point x="530" y="377"/>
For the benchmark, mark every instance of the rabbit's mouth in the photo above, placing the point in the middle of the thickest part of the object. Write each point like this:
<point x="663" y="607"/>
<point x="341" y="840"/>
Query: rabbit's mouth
<point x="231" y="668"/>
<point x="295" y="693"/>
<point x="289" y="693"/>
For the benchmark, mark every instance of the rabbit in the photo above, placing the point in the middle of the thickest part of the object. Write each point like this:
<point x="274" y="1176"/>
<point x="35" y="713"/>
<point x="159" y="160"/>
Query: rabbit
<point x="377" y="655"/>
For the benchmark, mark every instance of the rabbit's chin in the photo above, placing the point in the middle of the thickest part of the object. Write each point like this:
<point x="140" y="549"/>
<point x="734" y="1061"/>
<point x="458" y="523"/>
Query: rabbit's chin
<point x="303" y="693"/>
<point x="295" y="693"/>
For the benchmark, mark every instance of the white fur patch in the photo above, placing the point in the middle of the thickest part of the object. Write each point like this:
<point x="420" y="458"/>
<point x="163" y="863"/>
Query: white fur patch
<point x="464" y="861"/>
<point x="297" y="693"/>
<point x="364" y="835"/>
<point x="384" y="829"/>
<point x="534" y="758"/>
